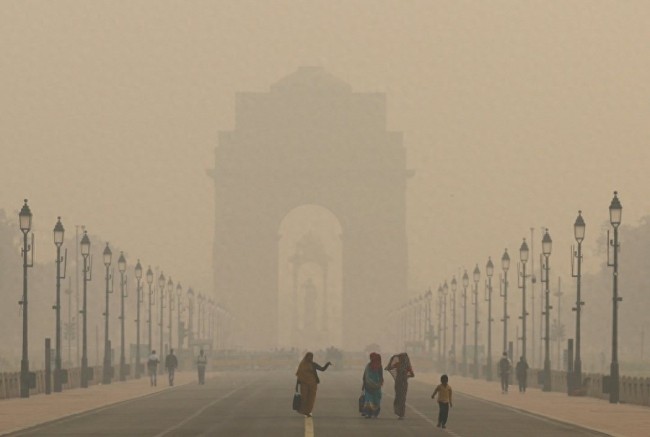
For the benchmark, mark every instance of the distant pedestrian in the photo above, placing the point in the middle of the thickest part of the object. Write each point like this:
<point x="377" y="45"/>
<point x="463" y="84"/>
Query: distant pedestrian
<point x="373" y="379"/>
<point x="400" y="367"/>
<point x="171" y="363"/>
<point x="505" y="366"/>
<point x="201" y="362"/>
<point x="521" y="370"/>
<point x="444" y="400"/>
<point x="308" y="381"/>
<point x="152" y="367"/>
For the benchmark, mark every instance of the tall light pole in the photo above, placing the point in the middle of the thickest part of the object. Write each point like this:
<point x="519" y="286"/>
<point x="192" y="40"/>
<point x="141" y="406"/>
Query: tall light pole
<point x="615" y="212"/>
<point x="151" y="301"/>
<point x="489" y="271"/>
<point x="505" y="265"/>
<point x="427" y="318"/>
<point x="58" y="242"/>
<point x="521" y="278"/>
<point x="465" y="285"/>
<point x="440" y="329"/>
<point x="161" y="288"/>
<point x="190" y="320"/>
<point x="179" y="310"/>
<point x="476" y="276"/>
<point x="25" y="223"/>
<point x="139" y="298"/>
<point x="107" y="373"/>
<point x="121" y="265"/>
<point x="547" y="244"/>
<point x="445" y="292"/>
<point x="454" y="286"/>
<point x="87" y="276"/>
<point x="170" y="293"/>
<point x="579" y="234"/>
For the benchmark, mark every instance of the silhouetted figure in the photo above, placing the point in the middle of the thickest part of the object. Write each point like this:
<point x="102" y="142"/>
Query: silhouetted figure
<point x="444" y="400"/>
<point x="171" y="363"/>
<point x="201" y="363"/>
<point x="400" y="367"/>
<point x="373" y="379"/>
<point x="152" y="367"/>
<point x="521" y="371"/>
<point x="504" y="371"/>
<point x="308" y="380"/>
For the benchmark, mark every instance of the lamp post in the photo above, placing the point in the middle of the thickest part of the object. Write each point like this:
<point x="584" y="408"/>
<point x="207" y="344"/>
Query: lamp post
<point x="454" y="286"/>
<point x="25" y="222"/>
<point x="139" y="299"/>
<point x="505" y="265"/>
<point x="190" y="320"/>
<point x="465" y="285"/>
<point x="521" y="278"/>
<point x="58" y="242"/>
<point x="161" y="288"/>
<point x="427" y="318"/>
<point x="489" y="271"/>
<point x="547" y="244"/>
<point x="615" y="212"/>
<point x="445" y="292"/>
<point x="170" y="294"/>
<point x="151" y="301"/>
<point x="179" y="310"/>
<point x="476" y="276"/>
<point x="87" y="276"/>
<point x="107" y="373"/>
<point x="440" y="329"/>
<point x="121" y="265"/>
<point x="579" y="234"/>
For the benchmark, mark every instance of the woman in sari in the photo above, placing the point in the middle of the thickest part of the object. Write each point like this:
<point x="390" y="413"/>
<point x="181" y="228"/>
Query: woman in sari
<point x="308" y="380"/>
<point x="373" y="379"/>
<point x="400" y="367"/>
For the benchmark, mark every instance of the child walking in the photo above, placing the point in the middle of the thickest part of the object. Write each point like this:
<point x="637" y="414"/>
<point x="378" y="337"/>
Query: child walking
<point x="444" y="400"/>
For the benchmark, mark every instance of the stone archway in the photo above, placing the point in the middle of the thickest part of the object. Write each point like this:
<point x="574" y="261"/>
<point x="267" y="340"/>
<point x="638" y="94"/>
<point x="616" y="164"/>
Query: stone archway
<point x="310" y="140"/>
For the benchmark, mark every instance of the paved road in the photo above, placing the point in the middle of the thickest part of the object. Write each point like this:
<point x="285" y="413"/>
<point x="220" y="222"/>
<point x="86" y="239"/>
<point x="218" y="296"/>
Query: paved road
<point x="245" y="404"/>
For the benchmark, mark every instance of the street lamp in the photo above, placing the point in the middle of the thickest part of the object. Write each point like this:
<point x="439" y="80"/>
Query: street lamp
<point x="452" y="358"/>
<point x="489" y="271"/>
<point x="615" y="211"/>
<point x="107" y="373"/>
<point x="476" y="276"/>
<point x="190" y="306"/>
<point x="152" y="299"/>
<point x="87" y="276"/>
<point x="170" y="293"/>
<point x="547" y="244"/>
<point x="59" y="232"/>
<point x="521" y="279"/>
<point x="139" y="298"/>
<point x="440" y="329"/>
<point x="445" y="292"/>
<point x="121" y="265"/>
<point x="465" y="324"/>
<point x="505" y="265"/>
<point x="179" y="310"/>
<point x="25" y="223"/>
<point x="161" y="288"/>
<point x="427" y="317"/>
<point x="579" y="234"/>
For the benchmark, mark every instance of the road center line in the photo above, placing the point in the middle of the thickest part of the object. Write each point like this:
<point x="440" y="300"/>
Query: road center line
<point x="424" y="416"/>
<point x="202" y="410"/>
<point x="309" y="427"/>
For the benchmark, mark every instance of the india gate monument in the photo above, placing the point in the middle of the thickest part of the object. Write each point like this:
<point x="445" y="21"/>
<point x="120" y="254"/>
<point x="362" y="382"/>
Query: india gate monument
<point x="310" y="247"/>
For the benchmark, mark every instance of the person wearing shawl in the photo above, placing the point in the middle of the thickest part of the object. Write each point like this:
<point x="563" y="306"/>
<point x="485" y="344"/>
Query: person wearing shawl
<point x="373" y="379"/>
<point x="308" y="380"/>
<point x="400" y="367"/>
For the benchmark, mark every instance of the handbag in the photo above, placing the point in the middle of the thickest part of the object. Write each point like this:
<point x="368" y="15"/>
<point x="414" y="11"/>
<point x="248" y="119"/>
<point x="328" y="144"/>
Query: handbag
<point x="297" y="400"/>
<point x="362" y="402"/>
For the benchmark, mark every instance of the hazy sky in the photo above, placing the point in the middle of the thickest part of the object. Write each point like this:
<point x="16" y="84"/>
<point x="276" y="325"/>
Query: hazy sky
<point x="515" y="114"/>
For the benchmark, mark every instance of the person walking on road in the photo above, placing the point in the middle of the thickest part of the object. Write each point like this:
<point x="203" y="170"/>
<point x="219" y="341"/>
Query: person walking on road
<point x="373" y="379"/>
<point x="400" y="367"/>
<point x="201" y="363"/>
<point x="171" y="363"/>
<point x="308" y="381"/>
<point x="444" y="400"/>
<point x="521" y="371"/>
<point x="505" y="366"/>
<point x="152" y="367"/>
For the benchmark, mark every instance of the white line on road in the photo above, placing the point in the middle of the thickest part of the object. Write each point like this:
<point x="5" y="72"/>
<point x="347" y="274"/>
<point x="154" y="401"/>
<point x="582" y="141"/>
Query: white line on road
<point x="309" y="427"/>
<point x="202" y="410"/>
<point x="424" y="416"/>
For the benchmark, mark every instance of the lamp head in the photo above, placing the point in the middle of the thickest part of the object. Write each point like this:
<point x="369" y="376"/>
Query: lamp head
<point x="615" y="211"/>
<point x="85" y="244"/>
<point x="579" y="228"/>
<point x="58" y="232"/>
<point x="25" y="218"/>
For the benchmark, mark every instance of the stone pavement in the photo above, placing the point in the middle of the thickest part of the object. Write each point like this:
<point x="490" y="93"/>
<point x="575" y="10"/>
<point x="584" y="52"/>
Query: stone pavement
<point x="18" y="413"/>
<point x="618" y="420"/>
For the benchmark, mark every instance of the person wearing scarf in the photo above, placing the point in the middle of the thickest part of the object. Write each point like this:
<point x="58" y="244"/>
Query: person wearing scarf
<point x="373" y="379"/>
<point x="400" y="367"/>
<point x="308" y="380"/>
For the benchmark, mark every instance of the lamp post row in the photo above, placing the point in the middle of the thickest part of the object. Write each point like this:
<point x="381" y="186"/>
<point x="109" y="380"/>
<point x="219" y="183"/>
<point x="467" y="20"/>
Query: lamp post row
<point x="28" y="378"/>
